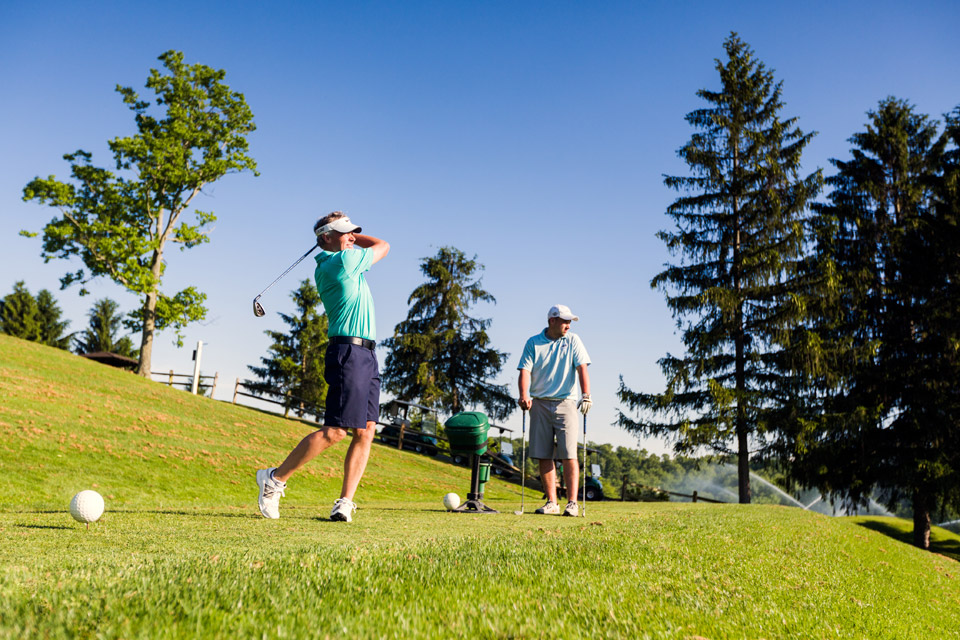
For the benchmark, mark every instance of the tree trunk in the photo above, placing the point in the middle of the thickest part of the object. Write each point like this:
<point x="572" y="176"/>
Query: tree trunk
<point x="921" y="520"/>
<point x="149" y="319"/>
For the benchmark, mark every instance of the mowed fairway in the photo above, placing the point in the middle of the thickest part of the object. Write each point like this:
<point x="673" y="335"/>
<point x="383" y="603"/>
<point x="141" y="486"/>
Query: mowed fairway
<point x="182" y="552"/>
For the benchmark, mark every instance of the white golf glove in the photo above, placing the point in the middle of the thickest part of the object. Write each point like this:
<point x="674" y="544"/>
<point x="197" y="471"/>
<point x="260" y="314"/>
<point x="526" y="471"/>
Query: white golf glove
<point x="585" y="404"/>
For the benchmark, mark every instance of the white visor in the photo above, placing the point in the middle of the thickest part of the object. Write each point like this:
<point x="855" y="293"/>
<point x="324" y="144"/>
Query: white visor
<point x="343" y="225"/>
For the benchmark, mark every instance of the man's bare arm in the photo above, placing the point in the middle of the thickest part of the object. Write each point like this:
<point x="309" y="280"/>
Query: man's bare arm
<point x="380" y="247"/>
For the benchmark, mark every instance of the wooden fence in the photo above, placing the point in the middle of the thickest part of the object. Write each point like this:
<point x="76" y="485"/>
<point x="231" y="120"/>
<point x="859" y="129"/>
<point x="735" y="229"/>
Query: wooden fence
<point x="288" y="402"/>
<point x="188" y="383"/>
<point x="695" y="497"/>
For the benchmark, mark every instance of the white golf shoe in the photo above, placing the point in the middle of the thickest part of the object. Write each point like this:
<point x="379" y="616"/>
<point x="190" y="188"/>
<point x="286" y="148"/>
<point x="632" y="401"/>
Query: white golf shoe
<point x="271" y="490"/>
<point x="343" y="510"/>
<point x="550" y="509"/>
<point x="572" y="509"/>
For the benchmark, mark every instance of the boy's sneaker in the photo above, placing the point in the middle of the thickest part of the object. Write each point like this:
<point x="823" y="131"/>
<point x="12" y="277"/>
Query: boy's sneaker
<point x="572" y="509"/>
<point x="271" y="490"/>
<point x="550" y="509"/>
<point x="343" y="510"/>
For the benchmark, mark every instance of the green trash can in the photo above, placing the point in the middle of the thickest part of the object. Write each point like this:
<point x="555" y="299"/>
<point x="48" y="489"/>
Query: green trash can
<point x="467" y="432"/>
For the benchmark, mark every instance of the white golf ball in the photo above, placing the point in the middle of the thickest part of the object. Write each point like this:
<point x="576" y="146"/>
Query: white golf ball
<point x="86" y="506"/>
<point x="451" y="501"/>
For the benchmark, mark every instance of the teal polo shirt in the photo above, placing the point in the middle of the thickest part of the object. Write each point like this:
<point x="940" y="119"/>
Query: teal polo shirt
<point x="553" y="364"/>
<point x="344" y="292"/>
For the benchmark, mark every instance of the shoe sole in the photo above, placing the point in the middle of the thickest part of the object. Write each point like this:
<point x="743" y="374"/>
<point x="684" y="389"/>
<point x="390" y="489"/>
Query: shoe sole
<point x="339" y="517"/>
<point x="261" y="479"/>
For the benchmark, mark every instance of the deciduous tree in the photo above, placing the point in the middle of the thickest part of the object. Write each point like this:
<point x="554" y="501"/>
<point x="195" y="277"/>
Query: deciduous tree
<point x="120" y="223"/>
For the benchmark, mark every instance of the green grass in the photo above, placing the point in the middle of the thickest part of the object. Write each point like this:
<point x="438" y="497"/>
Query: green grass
<point x="182" y="552"/>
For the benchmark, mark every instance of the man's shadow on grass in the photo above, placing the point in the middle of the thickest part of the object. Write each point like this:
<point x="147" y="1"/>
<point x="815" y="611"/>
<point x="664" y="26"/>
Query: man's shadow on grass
<point x="948" y="548"/>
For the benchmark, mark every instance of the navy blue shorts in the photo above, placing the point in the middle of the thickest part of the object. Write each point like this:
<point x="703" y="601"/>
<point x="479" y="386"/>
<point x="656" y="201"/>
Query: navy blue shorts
<point x="353" y="398"/>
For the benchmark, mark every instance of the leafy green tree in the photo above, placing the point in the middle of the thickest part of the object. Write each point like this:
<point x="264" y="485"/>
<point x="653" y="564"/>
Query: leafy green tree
<point x="120" y="224"/>
<point x="19" y="315"/>
<point x="883" y="413"/>
<point x="101" y="332"/>
<point x="439" y="355"/>
<point x="735" y="292"/>
<point x="295" y="364"/>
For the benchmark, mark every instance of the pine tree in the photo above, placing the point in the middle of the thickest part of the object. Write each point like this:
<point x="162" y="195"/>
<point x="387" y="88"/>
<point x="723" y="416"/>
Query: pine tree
<point x="295" y="364"/>
<point x="52" y="328"/>
<point x="884" y="416"/>
<point x="439" y="355"/>
<point x="736" y="290"/>
<point x="19" y="315"/>
<point x="101" y="332"/>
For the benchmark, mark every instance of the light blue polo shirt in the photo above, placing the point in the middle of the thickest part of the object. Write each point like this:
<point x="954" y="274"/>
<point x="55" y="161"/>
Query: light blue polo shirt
<point x="553" y="364"/>
<point x="344" y="292"/>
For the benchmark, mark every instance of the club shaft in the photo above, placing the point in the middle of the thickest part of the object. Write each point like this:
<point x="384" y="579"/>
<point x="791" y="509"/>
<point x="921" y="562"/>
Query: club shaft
<point x="523" y="462"/>
<point x="289" y="269"/>
<point x="584" y="465"/>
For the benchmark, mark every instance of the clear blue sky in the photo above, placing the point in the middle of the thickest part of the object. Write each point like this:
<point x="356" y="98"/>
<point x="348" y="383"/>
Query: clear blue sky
<point x="534" y="135"/>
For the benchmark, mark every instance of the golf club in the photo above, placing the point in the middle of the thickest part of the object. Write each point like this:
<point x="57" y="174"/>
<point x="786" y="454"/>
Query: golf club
<point x="523" y="465"/>
<point x="583" y="479"/>
<point x="257" y="309"/>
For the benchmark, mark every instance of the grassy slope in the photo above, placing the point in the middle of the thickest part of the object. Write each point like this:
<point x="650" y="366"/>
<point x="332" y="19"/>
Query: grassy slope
<point x="181" y="551"/>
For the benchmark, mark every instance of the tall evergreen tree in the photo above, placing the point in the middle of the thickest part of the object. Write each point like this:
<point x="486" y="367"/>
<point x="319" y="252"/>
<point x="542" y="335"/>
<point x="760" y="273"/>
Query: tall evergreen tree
<point x="52" y="328"/>
<point x="19" y="316"/>
<point x="439" y="355"/>
<point x="295" y="364"/>
<point x="884" y="413"/>
<point x="101" y="332"/>
<point x="735" y="292"/>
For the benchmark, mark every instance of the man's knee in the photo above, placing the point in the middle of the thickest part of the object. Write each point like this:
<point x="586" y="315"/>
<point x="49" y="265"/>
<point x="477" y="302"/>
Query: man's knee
<point x="366" y="435"/>
<point x="333" y="434"/>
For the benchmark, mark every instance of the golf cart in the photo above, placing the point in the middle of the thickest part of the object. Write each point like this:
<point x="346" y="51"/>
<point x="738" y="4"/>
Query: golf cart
<point x="499" y="454"/>
<point x="398" y="431"/>
<point x="594" y="487"/>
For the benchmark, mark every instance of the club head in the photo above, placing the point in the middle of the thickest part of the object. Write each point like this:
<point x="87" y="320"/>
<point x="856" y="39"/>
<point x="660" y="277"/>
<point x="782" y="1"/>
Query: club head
<point x="518" y="513"/>
<point x="257" y="309"/>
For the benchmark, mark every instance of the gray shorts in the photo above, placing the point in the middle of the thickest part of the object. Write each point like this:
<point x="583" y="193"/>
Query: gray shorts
<point x="553" y="421"/>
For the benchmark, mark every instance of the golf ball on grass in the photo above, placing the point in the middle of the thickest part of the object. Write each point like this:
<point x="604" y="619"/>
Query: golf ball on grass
<point x="451" y="501"/>
<point x="86" y="506"/>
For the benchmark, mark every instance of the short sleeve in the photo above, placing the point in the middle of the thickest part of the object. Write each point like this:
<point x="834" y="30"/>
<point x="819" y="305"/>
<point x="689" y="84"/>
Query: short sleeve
<point x="356" y="261"/>
<point x="580" y="355"/>
<point x="526" y="358"/>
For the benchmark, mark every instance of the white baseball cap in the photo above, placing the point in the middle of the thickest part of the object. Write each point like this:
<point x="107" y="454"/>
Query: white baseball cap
<point x="343" y="225"/>
<point x="561" y="311"/>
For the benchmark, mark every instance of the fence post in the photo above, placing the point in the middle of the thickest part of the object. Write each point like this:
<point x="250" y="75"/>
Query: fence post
<point x="170" y="383"/>
<point x="286" y="404"/>
<point x="403" y="425"/>
<point x="213" y="389"/>
<point x="236" y="387"/>
<point x="694" y="496"/>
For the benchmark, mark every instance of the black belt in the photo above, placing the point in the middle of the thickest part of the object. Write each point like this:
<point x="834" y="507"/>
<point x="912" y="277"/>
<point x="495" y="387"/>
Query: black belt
<point x="360" y="342"/>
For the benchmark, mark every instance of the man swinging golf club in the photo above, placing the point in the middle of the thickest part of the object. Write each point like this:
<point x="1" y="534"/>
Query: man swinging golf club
<point x="550" y="363"/>
<point x="351" y="370"/>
